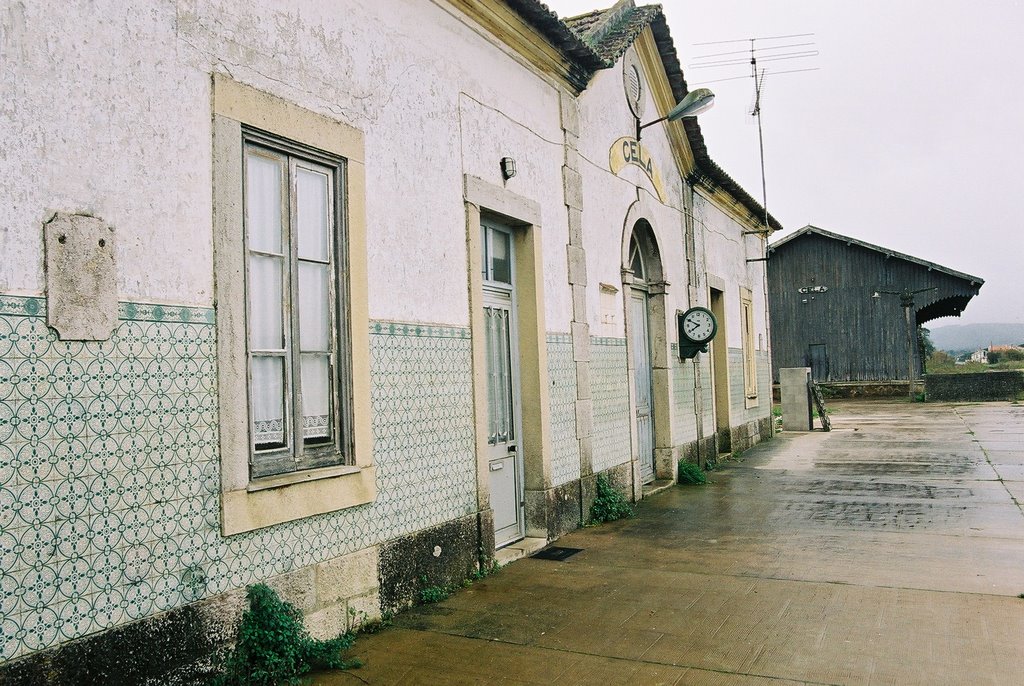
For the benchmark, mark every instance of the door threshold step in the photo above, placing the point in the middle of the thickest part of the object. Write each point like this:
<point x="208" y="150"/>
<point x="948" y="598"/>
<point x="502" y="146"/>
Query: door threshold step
<point x="520" y="549"/>
<point x="657" y="486"/>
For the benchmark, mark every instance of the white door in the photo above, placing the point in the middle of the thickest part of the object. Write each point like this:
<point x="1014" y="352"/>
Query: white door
<point x="504" y="463"/>
<point x="640" y="344"/>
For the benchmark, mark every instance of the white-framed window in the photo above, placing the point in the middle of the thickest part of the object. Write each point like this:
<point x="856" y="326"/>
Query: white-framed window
<point x="294" y="288"/>
<point x="749" y="352"/>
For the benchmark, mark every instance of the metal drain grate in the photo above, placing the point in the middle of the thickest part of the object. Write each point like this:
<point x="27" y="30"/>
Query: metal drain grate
<point x="556" y="553"/>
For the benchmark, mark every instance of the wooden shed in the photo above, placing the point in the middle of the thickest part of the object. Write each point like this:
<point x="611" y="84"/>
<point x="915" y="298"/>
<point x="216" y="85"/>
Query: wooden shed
<point x="844" y="307"/>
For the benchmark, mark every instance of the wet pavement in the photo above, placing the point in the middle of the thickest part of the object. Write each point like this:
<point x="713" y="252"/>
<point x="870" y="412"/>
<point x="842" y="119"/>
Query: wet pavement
<point x="889" y="551"/>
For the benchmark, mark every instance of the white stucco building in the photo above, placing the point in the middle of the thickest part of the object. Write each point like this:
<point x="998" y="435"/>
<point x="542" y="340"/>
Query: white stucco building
<point x="273" y="308"/>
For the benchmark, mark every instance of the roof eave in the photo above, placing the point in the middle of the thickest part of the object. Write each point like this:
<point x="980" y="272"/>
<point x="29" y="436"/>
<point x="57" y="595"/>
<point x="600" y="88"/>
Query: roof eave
<point x="975" y="281"/>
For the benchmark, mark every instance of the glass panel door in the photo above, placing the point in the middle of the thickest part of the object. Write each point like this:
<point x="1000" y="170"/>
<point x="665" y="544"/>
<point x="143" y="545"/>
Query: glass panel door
<point x="505" y="464"/>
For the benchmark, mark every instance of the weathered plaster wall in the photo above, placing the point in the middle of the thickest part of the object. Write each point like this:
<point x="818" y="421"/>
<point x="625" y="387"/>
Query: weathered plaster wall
<point x="122" y="130"/>
<point x="103" y="117"/>
<point x="726" y="250"/>
<point x="604" y="118"/>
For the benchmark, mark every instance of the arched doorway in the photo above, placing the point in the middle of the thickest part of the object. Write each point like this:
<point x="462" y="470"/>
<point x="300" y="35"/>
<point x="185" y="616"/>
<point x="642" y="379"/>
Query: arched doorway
<point x="644" y="287"/>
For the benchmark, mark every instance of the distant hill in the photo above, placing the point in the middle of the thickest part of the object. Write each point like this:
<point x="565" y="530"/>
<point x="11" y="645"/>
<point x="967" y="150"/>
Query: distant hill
<point x="975" y="336"/>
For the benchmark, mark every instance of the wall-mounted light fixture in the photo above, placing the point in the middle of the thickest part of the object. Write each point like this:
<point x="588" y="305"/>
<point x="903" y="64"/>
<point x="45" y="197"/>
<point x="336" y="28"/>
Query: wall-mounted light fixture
<point x="695" y="102"/>
<point x="508" y="168"/>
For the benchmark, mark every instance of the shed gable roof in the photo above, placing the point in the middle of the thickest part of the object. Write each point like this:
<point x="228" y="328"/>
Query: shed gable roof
<point x="814" y="230"/>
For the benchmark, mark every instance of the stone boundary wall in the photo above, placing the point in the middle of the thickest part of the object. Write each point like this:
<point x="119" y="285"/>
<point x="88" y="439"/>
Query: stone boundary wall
<point x="1004" y="385"/>
<point x="860" y="389"/>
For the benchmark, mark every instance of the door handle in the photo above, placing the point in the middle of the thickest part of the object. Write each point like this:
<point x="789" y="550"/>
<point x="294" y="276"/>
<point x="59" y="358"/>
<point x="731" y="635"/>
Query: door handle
<point x="497" y="466"/>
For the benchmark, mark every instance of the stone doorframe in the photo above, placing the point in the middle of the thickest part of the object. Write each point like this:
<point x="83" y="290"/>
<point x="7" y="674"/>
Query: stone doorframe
<point x="522" y="215"/>
<point x="638" y="219"/>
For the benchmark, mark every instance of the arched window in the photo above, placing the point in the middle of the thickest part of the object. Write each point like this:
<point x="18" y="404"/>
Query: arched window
<point x="636" y="260"/>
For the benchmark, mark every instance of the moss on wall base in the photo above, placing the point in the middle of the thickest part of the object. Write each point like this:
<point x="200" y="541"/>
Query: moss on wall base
<point x="439" y="557"/>
<point x="174" y="649"/>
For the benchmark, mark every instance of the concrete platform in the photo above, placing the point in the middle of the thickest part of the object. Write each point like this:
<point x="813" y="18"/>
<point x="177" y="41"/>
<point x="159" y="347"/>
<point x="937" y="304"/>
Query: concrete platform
<point x="889" y="551"/>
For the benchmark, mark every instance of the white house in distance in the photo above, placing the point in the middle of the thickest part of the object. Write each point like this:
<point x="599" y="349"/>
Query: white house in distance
<point x="341" y="297"/>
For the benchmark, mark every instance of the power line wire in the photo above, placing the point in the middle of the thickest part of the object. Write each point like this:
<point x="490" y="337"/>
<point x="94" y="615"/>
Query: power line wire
<point x="747" y="40"/>
<point x="747" y="52"/>
<point x="773" y="58"/>
<point x="747" y="76"/>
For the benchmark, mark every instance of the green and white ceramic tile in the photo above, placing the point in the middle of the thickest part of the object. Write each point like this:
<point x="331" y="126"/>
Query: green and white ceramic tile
<point x="684" y="423"/>
<point x="110" y="473"/>
<point x="562" y="375"/>
<point x="609" y="387"/>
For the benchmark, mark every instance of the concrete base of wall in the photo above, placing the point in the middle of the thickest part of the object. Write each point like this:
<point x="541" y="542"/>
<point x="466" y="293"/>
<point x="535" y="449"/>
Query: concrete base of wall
<point x="746" y="436"/>
<point x="179" y="646"/>
<point x="553" y="511"/>
<point x="442" y="556"/>
<point x="175" y="647"/>
<point x="700" y="452"/>
<point x="723" y="443"/>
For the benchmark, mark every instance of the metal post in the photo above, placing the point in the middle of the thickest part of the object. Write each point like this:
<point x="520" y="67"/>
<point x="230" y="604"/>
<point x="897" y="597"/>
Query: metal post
<point x="907" y="301"/>
<point x="908" y="304"/>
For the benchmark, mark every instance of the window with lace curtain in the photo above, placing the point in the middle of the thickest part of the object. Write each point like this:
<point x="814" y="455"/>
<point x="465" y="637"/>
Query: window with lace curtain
<point x="294" y="283"/>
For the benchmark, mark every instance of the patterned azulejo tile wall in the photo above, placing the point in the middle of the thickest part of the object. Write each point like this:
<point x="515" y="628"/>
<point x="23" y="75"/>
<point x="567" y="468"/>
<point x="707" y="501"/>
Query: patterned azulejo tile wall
<point x="565" y="465"/>
<point x="109" y="468"/>
<point x="740" y="414"/>
<point x="684" y="420"/>
<point x="609" y="386"/>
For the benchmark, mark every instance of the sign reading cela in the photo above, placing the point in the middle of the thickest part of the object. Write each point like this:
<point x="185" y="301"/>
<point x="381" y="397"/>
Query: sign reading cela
<point x="628" y="150"/>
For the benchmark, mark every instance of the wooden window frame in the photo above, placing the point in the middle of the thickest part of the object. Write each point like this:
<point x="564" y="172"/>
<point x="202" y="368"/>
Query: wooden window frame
<point x="749" y="351"/>
<point x="251" y="501"/>
<point x="296" y="456"/>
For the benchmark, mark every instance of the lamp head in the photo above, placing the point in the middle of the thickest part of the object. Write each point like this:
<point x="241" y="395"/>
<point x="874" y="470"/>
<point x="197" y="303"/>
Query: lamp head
<point x="695" y="102"/>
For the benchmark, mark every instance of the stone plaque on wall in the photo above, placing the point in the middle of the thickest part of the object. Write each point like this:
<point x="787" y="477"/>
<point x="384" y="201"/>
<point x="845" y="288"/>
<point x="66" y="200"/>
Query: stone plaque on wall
<point x="81" y="277"/>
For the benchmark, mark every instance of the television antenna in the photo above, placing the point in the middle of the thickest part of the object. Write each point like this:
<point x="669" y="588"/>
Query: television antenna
<point x="768" y="50"/>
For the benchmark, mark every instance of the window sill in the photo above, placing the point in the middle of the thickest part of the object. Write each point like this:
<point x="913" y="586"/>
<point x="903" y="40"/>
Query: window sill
<point x="279" y="480"/>
<point x="278" y="499"/>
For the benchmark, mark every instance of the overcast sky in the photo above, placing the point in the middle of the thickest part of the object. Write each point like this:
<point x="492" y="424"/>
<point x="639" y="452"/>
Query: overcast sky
<point x="910" y="135"/>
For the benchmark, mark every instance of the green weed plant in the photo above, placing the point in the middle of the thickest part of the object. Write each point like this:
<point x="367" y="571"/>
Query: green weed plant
<point x="689" y="473"/>
<point x="609" y="504"/>
<point x="273" y="646"/>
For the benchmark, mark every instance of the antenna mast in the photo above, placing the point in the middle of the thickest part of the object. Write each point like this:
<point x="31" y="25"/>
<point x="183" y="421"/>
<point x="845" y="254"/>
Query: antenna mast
<point x="734" y="59"/>
<point x="758" y="82"/>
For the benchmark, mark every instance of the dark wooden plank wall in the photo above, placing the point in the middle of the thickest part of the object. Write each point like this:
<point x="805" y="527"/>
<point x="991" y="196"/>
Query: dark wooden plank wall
<point x="865" y="337"/>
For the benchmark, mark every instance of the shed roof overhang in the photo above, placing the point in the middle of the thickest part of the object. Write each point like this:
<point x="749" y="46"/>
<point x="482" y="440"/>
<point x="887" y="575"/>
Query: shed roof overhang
<point x="947" y="307"/>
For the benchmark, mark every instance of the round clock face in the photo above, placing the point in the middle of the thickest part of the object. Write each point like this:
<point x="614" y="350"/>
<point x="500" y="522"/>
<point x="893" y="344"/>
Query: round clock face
<point x="699" y="325"/>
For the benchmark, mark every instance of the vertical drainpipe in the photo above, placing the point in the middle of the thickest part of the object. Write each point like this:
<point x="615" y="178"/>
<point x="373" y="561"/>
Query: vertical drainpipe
<point x="692" y="291"/>
<point x="768" y="330"/>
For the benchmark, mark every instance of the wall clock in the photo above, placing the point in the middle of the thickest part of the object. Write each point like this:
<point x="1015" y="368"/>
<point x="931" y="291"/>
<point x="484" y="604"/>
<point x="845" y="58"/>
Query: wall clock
<point x="697" y="327"/>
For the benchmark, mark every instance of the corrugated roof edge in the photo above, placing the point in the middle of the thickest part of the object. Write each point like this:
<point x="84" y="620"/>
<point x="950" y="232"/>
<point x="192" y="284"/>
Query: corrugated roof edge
<point x="810" y="228"/>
